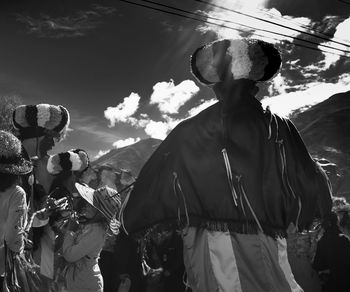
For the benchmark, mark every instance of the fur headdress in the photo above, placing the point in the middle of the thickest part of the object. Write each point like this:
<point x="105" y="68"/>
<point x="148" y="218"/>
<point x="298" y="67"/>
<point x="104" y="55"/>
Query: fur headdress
<point x="41" y="120"/>
<point x="248" y="58"/>
<point x="72" y="160"/>
<point x="11" y="155"/>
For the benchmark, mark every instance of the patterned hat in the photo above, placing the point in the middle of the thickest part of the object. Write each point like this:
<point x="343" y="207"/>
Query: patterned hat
<point x="11" y="155"/>
<point x="104" y="199"/>
<point x="249" y="59"/>
<point x="72" y="160"/>
<point x="41" y="120"/>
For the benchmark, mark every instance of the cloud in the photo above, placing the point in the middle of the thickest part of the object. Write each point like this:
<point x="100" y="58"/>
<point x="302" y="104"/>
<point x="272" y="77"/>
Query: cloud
<point x="100" y="153"/>
<point x="70" y="26"/>
<point x="310" y="94"/>
<point x="170" y="97"/>
<point x="160" y="129"/>
<point x="236" y="25"/>
<point x="125" y="142"/>
<point x="202" y="106"/>
<point x="124" y="111"/>
<point x="341" y="35"/>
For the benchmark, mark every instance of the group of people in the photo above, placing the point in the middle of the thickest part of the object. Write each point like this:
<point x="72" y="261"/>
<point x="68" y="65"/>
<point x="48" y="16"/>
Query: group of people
<point x="215" y="208"/>
<point x="53" y="225"/>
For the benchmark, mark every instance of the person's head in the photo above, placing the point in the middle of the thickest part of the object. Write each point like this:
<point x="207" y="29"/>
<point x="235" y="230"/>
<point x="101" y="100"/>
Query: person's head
<point x="108" y="176"/>
<point x="338" y="203"/>
<point x="40" y="126"/>
<point x="12" y="161"/>
<point x="126" y="177"/>
<point x="230" y="62"/>
<point x="67" y="167"/>
<point x="88" y="176"/>
<point x="105" y="201"/>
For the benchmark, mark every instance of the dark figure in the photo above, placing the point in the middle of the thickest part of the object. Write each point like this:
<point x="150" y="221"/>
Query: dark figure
<point x="332" y="257"/>
<point x="170" y="258"/>
<point x="128" y="263"/>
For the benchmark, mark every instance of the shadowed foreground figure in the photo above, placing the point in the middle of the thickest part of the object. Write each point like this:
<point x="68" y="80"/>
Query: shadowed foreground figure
<point x="234" y="177"/>
<point x="332" y="257"/>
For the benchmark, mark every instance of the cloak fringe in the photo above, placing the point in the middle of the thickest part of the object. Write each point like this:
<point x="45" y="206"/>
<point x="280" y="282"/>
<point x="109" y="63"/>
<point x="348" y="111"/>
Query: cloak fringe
<point x="241" y="227"/>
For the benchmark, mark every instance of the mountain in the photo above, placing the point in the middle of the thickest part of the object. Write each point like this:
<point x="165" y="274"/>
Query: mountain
<point x="131" y="157"/>
<point x="325" y="129"/>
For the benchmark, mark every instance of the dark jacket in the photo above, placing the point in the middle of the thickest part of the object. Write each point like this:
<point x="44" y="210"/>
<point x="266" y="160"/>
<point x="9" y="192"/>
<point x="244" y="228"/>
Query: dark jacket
<point x="274" y="179"/>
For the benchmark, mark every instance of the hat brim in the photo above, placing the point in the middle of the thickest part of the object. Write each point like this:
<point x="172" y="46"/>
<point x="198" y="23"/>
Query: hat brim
<point x="22" y="168"/>
<point x="87" y="194"/>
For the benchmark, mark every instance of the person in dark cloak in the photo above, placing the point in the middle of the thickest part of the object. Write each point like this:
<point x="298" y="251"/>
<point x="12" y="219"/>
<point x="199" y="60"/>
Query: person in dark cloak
<point x="233" y="177"/>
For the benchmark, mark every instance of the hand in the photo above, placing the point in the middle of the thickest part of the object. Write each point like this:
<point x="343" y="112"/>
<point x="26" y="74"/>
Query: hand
<point x="50" y="206"/>
<point x="155" y="273"/>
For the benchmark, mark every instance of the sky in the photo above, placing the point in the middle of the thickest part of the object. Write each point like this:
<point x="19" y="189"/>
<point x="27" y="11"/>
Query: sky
<point x="122" y="69"/>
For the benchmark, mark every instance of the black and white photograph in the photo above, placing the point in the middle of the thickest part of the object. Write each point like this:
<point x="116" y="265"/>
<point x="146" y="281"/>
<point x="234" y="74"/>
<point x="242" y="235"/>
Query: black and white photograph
<point x="168" y="146"/>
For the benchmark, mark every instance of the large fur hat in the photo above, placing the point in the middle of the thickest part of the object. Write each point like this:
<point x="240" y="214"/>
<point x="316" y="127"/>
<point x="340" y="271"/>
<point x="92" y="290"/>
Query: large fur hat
<point x="72" y="160"/>
<point x="249" y="59"/>
<point x="11" y="155"/>
<point x="41" y="120"/>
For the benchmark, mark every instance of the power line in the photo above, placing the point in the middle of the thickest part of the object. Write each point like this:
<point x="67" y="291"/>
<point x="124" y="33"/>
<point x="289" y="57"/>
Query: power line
<point x="248" y="26"/>
<point x="271" y="22"/>
<point x="229" y="27"/>
<point x="301" y="25"/>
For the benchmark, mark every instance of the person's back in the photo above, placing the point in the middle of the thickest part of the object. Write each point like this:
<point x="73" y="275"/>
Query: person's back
<point x="234" y="177"/>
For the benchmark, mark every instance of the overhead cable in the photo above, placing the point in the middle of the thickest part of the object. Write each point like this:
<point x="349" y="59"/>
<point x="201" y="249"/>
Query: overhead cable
<point x="229" y="27"/>
<point x="248" y="26"/>
<point x="271" y="22"/>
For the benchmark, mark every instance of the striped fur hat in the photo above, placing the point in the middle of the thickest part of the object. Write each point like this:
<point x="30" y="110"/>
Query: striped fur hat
<point x="32" y="121"/>
<point x="104" y="199"/>
<point x="72" y="160"/>
<point x="249" y="59"/>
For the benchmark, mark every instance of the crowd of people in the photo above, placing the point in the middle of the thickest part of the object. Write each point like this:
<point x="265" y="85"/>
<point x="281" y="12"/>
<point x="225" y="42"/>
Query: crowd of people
<point x="230" y="201"/>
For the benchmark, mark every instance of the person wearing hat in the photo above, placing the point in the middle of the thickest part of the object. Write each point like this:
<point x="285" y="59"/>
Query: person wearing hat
<point x="82" y="245"/>
<point x="13" y="205"/>
<point x="233" y="177"/>
<point x="39" y="127"/>
<point x="65" y="169"/>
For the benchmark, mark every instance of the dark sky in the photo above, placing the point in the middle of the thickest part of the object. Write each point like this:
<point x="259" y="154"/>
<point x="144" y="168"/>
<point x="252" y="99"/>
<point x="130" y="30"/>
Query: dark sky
<point x="90" y="55"/>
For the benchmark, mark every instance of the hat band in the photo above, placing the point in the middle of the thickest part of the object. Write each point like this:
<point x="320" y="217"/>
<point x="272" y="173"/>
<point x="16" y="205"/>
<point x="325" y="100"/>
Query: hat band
<point x="36" y="132"/>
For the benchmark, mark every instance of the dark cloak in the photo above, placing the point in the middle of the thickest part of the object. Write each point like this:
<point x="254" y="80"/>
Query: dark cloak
<point x="186" y="180"/>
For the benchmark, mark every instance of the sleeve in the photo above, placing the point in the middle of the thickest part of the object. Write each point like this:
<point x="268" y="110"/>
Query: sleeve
<point x="16" y="221"/>
<point x="308" y="180"/>
<point x="88" y="242"/>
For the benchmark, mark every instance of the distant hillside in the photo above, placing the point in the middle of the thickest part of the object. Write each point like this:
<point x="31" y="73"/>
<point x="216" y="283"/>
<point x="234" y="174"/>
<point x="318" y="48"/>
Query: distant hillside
<point x="325" y="129"/>
<point x="130" y="157"/>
